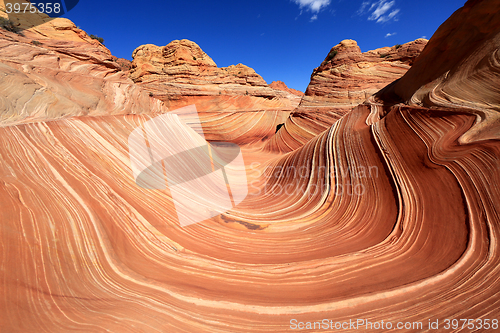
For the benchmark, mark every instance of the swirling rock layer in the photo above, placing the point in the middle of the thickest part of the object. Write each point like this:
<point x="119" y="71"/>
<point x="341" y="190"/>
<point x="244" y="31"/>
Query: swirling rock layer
<point x="384" y="216"/>
<point x="460" y="67"/>
<point x="334" y="230"/>
<point x="344" y="79"/>
<point x="55" y="71"/>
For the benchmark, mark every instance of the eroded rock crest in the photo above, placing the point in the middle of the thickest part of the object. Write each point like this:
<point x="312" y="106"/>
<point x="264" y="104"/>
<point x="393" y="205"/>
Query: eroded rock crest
<point x="385" y="216"/>
<point x="55" y="70"/>
<point x="180" y="74"/>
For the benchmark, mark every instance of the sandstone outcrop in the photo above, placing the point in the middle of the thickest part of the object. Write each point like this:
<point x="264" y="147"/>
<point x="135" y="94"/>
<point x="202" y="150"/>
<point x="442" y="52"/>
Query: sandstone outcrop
<point x="459" y="68"/>
<point x="344" y="79"/>
<point x="348" y="77"/>
<point x="55" y="70"/>
<point x="383" y="218"/>
<point x="280" y="85"/>
<point x="180" y="74"/>
<point x="61" y="79"/>
<point x="124" y="64"/>
<point x="281" y="89"/>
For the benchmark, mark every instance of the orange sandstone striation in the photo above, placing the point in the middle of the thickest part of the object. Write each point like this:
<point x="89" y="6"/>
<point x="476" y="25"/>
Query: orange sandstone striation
<point x="348" y="77"/>
<point x="180" y="74"/>
<point x="459" y="68"/>
<point x="54" y="71"/>
<point x="344" y="79"/>
<point x="281" y="89"/>
<point x="385" y="217"/>
<point x="280" y="85"/>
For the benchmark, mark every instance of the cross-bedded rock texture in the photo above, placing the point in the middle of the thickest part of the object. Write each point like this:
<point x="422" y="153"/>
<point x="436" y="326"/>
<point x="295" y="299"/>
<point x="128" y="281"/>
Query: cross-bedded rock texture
<point x="391" y="214"/>
<point x="180" y="74"/>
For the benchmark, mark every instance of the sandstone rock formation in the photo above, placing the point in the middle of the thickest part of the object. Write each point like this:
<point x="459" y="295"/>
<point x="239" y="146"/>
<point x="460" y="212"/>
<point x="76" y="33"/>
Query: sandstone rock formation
<point x="124" y="64"/>
<point x="280" y="85"/>
<point x="348" y="77"/>
<point x="460" y="68"/>
<point x="384" y="218"/>
<point x="180" y="74"/>
<point x="55" y="70"/>
<point x="294" y="96"/>
<point x="344" y="79"/>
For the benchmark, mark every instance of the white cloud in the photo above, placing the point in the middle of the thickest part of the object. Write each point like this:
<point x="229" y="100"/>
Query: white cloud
<point x="390" y="34"/>
<point x="362" y="9"/>
<point x="381" y="10"/>
<point x="382" y="7"/>
<point x="390" y="16"/>
<point x="313" y="6"/>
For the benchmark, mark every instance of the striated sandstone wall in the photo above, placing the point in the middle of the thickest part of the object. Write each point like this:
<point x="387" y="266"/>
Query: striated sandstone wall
<point x="346" y="78"/>
<point x="459" y="68"/>
<point x="180" y="74"/>
<point x="54" y="71"/>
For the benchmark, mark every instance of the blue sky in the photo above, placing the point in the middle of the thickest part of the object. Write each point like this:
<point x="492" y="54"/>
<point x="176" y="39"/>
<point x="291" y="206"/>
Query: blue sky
<point x="281" y="39"/>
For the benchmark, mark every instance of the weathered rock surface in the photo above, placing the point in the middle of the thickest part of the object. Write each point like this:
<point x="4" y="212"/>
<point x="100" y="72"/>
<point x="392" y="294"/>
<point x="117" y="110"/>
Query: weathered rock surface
<point x="459" y="68"/>
<point x="180" y="74"/>
<point x="385" y="217"/>
<point x="55" y="70"/>
<point x="348" y="77"/>
<point x="280" y="85"/>
<point x="294" y="96"/>
<point x="124" y="64"/>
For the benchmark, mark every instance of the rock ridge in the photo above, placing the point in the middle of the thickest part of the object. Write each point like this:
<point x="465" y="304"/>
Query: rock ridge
<point x="181" y="73"/>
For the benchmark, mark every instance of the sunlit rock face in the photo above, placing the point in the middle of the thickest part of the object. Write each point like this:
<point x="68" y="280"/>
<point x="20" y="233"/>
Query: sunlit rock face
<point x="55" y="70"/>
<point x="280" y="85"/>
<point x="385" y="216"/>
<point x="459" y="68"/>
<point x="348" y="77"/>
<point x="344" y="79"/>
<point x="293" y="95"/>
<point x="181" y="74"/>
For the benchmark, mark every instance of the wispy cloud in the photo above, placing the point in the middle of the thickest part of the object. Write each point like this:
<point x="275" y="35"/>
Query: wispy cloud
<point x="362" y="9"/>
<point x="379" y="11"/>
<point x="390" y="34"/>
<point x="314" y="6"/>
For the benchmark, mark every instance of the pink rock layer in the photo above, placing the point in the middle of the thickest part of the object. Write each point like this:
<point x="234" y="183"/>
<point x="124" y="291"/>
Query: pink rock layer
<point x="344" y="79"/>
<point x="384" y="217"/>
<point x="181" y="74"/>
